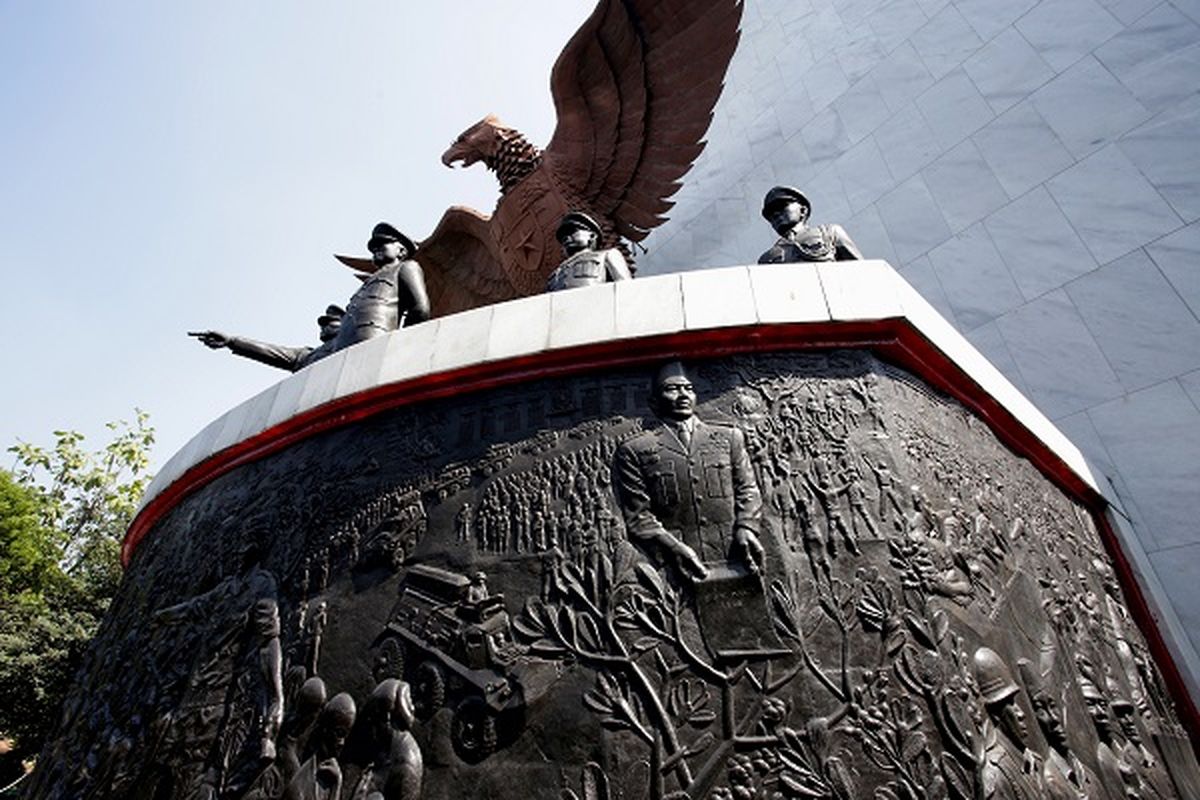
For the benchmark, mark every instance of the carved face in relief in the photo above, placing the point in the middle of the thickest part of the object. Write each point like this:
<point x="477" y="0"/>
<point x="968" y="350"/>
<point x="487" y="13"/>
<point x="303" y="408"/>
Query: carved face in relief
<point x="674" y="396"/>
<point x="1046" y="712"/>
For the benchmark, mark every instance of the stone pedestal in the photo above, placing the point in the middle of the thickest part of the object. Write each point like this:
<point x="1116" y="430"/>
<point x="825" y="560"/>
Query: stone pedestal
<point x="444" y="564"/>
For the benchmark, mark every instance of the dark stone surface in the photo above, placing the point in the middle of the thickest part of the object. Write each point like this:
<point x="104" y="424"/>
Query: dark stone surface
<point x="921" y="597"/>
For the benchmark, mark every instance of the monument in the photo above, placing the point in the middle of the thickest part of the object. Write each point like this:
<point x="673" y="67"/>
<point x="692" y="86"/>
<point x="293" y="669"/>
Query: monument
<point x="752" y="532"/>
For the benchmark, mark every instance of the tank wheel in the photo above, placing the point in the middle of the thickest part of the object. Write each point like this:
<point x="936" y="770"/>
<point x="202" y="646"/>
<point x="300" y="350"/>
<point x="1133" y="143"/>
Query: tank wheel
<point x="429" y="689"/>
<point x="389" y="663"/>
<point x="473" y="730"/>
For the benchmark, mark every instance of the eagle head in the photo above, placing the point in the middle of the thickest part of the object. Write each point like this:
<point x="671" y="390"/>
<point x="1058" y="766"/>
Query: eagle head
<point x="479" y="142"/>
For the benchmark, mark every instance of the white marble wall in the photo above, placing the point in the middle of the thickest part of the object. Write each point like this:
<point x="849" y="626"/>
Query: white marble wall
<point x="1033" y="168"/>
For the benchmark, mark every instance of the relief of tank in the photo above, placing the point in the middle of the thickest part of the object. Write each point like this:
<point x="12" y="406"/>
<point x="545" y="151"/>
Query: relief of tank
<point x="452" y="640"/>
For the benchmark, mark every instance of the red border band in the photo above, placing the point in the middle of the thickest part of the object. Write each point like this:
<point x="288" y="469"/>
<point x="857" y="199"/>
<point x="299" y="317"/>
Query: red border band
<point x="893" y="339"/>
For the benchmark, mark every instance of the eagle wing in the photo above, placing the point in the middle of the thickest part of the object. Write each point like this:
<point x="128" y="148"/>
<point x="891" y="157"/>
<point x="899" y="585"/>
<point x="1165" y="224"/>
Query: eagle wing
<point x="634" y="90"/>
<point x="460" y="261"/>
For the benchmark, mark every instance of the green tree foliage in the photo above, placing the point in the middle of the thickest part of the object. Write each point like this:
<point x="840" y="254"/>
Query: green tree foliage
<point x="63" y="513"/>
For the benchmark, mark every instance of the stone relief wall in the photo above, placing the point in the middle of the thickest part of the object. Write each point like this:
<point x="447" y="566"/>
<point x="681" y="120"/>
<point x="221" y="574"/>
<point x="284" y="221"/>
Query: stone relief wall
<point x="460" y="599"/>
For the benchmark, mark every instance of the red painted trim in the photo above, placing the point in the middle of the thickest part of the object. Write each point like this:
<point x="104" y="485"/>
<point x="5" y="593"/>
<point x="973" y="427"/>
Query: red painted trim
<point x="894" y="340"/>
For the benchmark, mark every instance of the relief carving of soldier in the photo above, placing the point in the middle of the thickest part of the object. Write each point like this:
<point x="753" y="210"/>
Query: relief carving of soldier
<point x="583" y="264"/>
<point x="1008" y="767"/>
<point x="686" y="488"/>
<point x="788" y="210"/>
<point x="293" y="359"/>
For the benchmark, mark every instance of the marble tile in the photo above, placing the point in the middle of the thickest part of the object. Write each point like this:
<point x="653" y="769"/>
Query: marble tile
<point x="912" y="218"/>
<point x="1063" y="31"/>
<point x="1158" y="34"/>
<point x="901" y="77"/>
<point x="990" y="342"/>
<point x="259" y="412"/>
<point x="954" y="109"/>
<point x="1146" y="331"/>
<point x="907" y="143"/>
<point x="1191" y="385"/>
<point x="1007" y="70"/>
<point x="764" y="135"/>
<point x="896" y="21"/>
<point x="320" y="381"/>
<point x="794" y="110"/>
<point x="1189" y="7"/>
<point x="364" y="363"/>
<point x="862" y="290"/>
<point x="859" y="56"/>
<point x="1178" y="569"/>
<point x="462" y="338"/>
<point x="788" y="293"/>
<point x="1153" y="436"/>
<point x="828" y="197"/>
<point x="1063" y="366"/>
<point x="1038" y="244"/>
<point x="287" y="398"/>
<point x="410" y="351"/>
<point x="1021" y="149"/>
<point x="861" y="109"/>
<point x="649" y="305"/>
<point x="1128" y="11"/>
<point x="825" y="138"/>
<point x="977" y="283"/>
<point x="1178" y="256"/>
<point x="1165" y="150"/>
<point x="868" y="232"/>
<point x="945" y="41"/>
<point x="924" y="280"/>
<point x="864" y="173"/>
<point x="519" y="327"/>
<point x="1165" y="82"/>
<point x="824" y="82"/>
<point x="1087" y="107"/>
<point x="989" y="17"/>
<point x="963" y="186"/>
<point x="231" y="428"/>
<point x="715" y="298"/>
<point x="1112" y="206"/>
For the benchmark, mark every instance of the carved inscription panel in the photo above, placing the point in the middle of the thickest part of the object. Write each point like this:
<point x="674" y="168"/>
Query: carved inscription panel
<point x="777" y="576"/>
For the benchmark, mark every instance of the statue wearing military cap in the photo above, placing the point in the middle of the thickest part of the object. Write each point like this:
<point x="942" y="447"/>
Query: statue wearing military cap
<point x="788" y="210"/>
<point x="1008" y="763"/>
<point x="585" y="265"/>
<point x="292" y="359"/>
<point x="392" y="296"/>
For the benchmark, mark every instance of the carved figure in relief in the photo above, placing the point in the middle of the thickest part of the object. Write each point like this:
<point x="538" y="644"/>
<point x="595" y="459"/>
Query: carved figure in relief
<point x="1008" y="765"/>
<point x="292" y="359"/>
<point x="585" y="265"/>
<point x="788" y="210"/>
<point x="686" y="488"/>
<point x="320" y="776"/>
<point x="1064" y="776"/>
<point x="1115" y="771"/>
<point x="395" y="768"/>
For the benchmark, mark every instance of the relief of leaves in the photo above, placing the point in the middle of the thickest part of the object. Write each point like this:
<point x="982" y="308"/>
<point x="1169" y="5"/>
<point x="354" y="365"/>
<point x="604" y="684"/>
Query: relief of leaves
<point x="617" y="706"/>
<point x="687" y="703"/>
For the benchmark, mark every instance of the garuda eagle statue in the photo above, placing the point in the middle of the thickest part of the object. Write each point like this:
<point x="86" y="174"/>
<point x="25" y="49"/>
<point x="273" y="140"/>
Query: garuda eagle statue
<point x="634" y="90"/>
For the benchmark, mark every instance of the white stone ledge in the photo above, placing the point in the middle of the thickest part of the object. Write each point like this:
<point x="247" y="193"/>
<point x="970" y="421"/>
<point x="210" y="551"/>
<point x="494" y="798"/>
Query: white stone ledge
<point x="664" y="304"/>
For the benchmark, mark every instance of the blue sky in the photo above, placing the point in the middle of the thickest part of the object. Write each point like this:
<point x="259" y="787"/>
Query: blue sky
<point x="172" y="166"/>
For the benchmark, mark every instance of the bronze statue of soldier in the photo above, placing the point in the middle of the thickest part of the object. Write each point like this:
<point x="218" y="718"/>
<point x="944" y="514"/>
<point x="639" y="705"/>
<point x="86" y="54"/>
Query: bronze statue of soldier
<point x="583" y="264"/>
<point x="788" y="210"/>
<point x="391" y="297"/>
<point x="687" y="489"/>
<point x="292" y="359"/>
